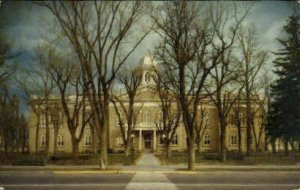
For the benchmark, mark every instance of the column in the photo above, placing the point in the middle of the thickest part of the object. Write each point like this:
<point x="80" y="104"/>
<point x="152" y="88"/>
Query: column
<point x="154" y="139"/>
<point x="140" y="140"/>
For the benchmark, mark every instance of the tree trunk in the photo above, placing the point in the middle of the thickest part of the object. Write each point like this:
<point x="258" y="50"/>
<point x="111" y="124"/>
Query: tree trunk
<point x="191" y="155"/>
<point x="273" y="144"/>
<point x="223" y="143"/>
<point x="5" y="144"/>
<point x="75" y="148"/>
<point x="199" y="147"/>
<point x="47" y="134"/>
<point x="37" y="130"/>
<point x="239" y="140"/>
<point x="292" y="146"/>
<point x="55" y="141"/>
<point x="104" y="139"/>
<point x="286" y="147"/>
<point x="167" y="151"/>
<point x="248" y="122"/>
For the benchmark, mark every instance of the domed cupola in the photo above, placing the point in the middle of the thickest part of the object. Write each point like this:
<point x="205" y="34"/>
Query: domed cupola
<point x="146" y="69"/>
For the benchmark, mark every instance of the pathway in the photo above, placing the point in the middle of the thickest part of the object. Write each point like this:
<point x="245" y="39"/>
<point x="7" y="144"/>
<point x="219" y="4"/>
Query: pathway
<point x="149" y="181"/>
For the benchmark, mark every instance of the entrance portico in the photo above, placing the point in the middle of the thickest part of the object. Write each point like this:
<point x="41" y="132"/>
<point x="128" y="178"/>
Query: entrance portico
<point x="146" y="139"/>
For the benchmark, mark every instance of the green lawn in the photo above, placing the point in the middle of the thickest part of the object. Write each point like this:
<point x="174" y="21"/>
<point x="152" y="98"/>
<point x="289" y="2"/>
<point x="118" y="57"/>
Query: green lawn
<point x="233" y="158"/>
<point x="63" y="159"/>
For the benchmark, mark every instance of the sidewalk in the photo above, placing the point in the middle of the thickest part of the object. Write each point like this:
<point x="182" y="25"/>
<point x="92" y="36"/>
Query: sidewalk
<point x="149" y="163"/>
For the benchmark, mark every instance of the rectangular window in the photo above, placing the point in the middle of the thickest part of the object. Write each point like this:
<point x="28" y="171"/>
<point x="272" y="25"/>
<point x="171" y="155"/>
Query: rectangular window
<point x="43" y="140"/>
<point x="60" y="141"/>
<point x="207" y="140"/>
<point x="233" y="140"/>
<point x="175" y="140"/>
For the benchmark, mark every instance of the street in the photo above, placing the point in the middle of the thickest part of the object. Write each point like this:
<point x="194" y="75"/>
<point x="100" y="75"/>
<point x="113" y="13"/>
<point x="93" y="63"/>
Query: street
<point x="215" y="180"/>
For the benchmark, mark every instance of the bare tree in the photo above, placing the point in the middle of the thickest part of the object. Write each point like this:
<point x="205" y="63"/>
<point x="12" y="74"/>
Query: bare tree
<point x="226" y="21"/>
<point x="201" y="125"/>
<point x="13" y="126"/>
<point x="98" y="33"/>
<point x="130" y="80"/>
<point x="184" y="60"/>
<point x="169" y="116"/>
<point x="252" y="61"/>
<point x="73" y="97"/>
<point x="239" y="118"/>
<point x="56" y="121"/>
<point x="38" y="88"/>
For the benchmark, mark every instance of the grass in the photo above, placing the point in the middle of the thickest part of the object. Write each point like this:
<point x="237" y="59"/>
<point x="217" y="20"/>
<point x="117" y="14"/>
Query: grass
<point x="63" y="159"/>
<point x="233" y="158"/>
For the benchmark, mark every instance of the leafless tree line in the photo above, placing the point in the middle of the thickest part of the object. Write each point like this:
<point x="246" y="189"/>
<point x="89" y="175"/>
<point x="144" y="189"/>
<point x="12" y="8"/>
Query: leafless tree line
<point x="204" y="52"/>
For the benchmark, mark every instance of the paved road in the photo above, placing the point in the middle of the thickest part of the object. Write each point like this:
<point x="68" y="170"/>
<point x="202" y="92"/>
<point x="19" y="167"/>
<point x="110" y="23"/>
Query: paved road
<point x="147" y="174"/>
<point x="148" y="180"/>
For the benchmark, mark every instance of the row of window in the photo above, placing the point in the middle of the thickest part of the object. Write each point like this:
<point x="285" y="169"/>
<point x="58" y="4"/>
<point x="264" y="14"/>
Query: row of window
<point x="173" y="142"/>
<point x="233" y="139"/>
<point x="119" y="140"/>
<point x="207" y="140"/>
<point x="43" y="121"/>
<point x="60" y="140"/>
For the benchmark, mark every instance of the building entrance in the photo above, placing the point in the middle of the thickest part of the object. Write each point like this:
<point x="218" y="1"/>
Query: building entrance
<point x="148" y="140"/>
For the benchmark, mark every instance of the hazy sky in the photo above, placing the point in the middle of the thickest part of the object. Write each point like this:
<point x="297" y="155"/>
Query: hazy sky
<point x="25" y="23"/>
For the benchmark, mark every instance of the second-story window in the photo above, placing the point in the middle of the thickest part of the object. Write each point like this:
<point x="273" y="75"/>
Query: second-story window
<point x="147" y="118"/>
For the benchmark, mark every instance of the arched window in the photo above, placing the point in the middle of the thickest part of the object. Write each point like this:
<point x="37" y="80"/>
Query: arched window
<point x="147" y="77"/>
<point x="88" y="140"/>
<point x="60" y="141"/>
<point x="43" y="140"/>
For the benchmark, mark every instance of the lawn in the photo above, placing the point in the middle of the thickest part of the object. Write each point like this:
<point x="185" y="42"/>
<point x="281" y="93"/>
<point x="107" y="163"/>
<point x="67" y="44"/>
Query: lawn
<point x="63" y="159"/>
<point x="233" y="158"/>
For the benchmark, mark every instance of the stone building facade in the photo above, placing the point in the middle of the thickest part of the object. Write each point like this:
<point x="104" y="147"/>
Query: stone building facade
<point x="146" y="136"/>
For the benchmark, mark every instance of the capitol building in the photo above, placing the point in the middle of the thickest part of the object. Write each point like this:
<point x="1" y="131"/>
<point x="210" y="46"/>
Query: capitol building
<point x="146" y="135"/>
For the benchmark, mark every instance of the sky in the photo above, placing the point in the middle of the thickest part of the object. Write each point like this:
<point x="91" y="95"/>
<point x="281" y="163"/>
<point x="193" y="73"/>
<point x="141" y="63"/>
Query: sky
<point x="26" y="23"/>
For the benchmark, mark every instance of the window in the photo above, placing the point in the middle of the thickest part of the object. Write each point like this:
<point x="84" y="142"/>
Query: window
<point x="232" y="119"/>
<point x="147" y="118"/>
<point x="207" y="140"/>
<point x="43" y="140"/>
<point x="175" y="140"/>
<point x="233" y="140"/>
<point x="60" y="141"/>
<point x="43" y="120"/>
<point x="147" y="77"/>
<point x="88" y="140"/>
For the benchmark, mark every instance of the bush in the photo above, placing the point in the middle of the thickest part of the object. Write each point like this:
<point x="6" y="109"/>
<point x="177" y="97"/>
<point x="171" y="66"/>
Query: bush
<point x="30" y="161"/>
